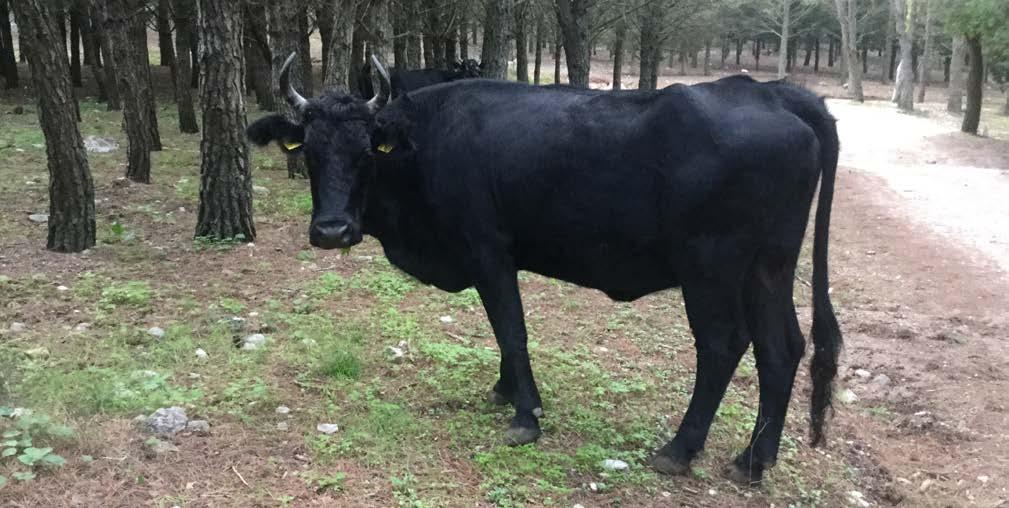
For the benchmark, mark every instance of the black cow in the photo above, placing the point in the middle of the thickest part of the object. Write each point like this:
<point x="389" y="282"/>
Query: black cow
<point x="706" y="187"/>
<point x="408" y="81"/>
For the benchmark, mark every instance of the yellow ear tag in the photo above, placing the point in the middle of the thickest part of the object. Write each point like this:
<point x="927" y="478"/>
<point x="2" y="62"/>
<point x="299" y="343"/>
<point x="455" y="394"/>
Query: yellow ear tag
<point x="291" y="145"/>
<point x="385" y="148"/>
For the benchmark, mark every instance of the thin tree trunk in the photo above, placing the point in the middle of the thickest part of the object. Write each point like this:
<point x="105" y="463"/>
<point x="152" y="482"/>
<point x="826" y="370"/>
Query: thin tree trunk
<point x="786" y="21"/>
<point x="164" y="27"/>
<point x="325" y="15"/>
<point x="830" y="51"/>
<point x="91" y="47"/>
<point x="707" y="57"/>
<point x="285" y="39"/>
<point x="261" y="58"/>
<point x="184" y="22"/>
<point x="75" y="45"/>
<point x="903" y="92"/>
<point x="538" y="53"/>
<point x="620" y="33"/>
<point x="847" y="13"/>
<point x="356" y="46"/>
<point x="739" y="50"/>
<point x="337" y="76"/>
<point x="135" y="117"/>
<point x="225" y="175"/>
<point x="399" y="38"/>
<point x="494" y="54"/>
<point x="573" y="17"/>
<point x="305" y="52"/>
<point x="650" y="47"/>
<point x="8" y="61"/>
<point x="414" y="48"/>
<point x="521" y="44"/>
<point x="463" y="42"/>
<point x="816" y="55"/>
<point x="975" y="84"/>
<point x="100" y="20"/>
<point x="954" y="98"/>
<point x="926" y="59"/>
<point x="558" y="46"/>
<point x="71" y="191"/>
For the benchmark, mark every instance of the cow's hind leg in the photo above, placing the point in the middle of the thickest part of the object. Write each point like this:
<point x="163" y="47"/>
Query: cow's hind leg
<point x="778" y="345"/>
<point x="714" y="308"/>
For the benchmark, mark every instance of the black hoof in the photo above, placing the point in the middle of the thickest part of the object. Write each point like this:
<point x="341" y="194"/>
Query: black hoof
<point x="742" y="475"/>
<point x="668" y="465"/>
<point x="516" y="436"/>
<point x="497" y="399"/>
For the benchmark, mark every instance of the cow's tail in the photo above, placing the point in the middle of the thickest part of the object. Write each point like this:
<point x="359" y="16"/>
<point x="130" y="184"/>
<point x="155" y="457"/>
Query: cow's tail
<point x="826" y="333"/>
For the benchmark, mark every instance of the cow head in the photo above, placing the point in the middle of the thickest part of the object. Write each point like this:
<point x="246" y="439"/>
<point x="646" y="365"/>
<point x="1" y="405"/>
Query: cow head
<point x="334" y="133"/>
<point x="468" y="68"/>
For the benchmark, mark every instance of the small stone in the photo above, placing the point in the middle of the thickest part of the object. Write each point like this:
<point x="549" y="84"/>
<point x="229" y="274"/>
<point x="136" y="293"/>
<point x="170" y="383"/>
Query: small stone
<point x="39" y="218"/>
<point x="446" y="319"/>
<point x="614" y="465"/>
<point x="200" y="353"/>
<point x="712" y="492"/>
<point x="283" y="410"/>
<point x="193" y="375"/>
<point x="327" y="428"/>
<point x="254" y="341"/>
<point x="95" y="144"/>
<point x="395" y="354"/>
<point x="82" y="327"/>
<point x="983" y="479"/>
<point x="120" y="182"/>
<point x="847" y="396"/>
<point x="856" y="498"/>
<point x="593" y="487"/>
<point x="167" y="421"/>
<point x="16" y="327"/>
<point x="926" y="484"/>
<point x="155" y="446"/>
<point x="62" y="288"/>
<point x="862" y="373"/>
<point x="666" y="493"/>
<point x="156" y="332"/>
<point x="37" y="353"/>
<point x="201" y="427"/>
<point x="576" y="505"/>
<point x="881" y="379"/>
<point x="259" y="189"/>
<point x="282" y="426"/>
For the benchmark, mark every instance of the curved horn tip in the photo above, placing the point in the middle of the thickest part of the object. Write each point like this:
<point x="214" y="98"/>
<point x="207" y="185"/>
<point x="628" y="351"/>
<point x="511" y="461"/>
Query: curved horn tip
<point x="381" y="97"/>
<point x="293" y="97"/>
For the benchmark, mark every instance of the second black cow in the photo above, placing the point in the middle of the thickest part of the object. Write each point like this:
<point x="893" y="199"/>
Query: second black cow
<point x="408" y="81"/>
<point x="705" y="187"/>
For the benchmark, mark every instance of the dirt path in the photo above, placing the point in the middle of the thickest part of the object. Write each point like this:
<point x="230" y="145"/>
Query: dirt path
<point x="920" y="262"/>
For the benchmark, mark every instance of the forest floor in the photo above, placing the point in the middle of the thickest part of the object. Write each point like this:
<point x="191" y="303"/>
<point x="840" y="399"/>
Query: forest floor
<point x="919" y="277"/>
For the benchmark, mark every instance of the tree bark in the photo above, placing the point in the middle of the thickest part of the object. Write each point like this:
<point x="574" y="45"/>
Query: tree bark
<point x="954" y="98"/>
<point x="325" y="14"/>
<point x="558" y="46"/>
<point x="434" y="43"/>
<point x="285" y="39"/>
<point x="138" y="168"/>
<point x="400" y="29"/>
<point x="786" y="21"/>
<point x="8" y="61"/>
<point x="816" y="55"/>
<point x="89" y="36"/>
<point x="619" y="34"/>
<point x="521" y="43"/>
<point x="494" y="55"/>
<point x="184" y="12"/>
<point x="886" y="73"/>
<point x="260" y="59"/>
<point x="100" y="22"/>
<point x="650" y="47"/>
<point x="926" y="58"/>
<point x="903" y="91"/>
<point x="414" y="47"/>
<point x="538" y="52"/>
<point x="707" y="57"/>
<point x="225" y="176"/>
<point x="847" y="13"/>
<point x="71" y="191"/>
<point x="75" y="44"/>
<point x="463" y="41"/>
<point x="164" y="26"/>
<point x="975" y="84"/>
<point x="337" y="75"/>
<point x="573" y="17"/>
<point x="137" y="39"/>
<point x="305" y="52"/>
<point x="358" y="39"/>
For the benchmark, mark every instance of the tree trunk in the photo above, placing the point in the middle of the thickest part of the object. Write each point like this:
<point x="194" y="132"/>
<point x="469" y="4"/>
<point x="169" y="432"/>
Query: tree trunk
<point x="739" y="50"/>
<point x="756" y="55"/>
<point x="650" y="47"/>
<point x="886" y="73"/>
<point x="8" y="61"/>
<point x="89" y="37"/>
<point x="225" y="176"/>
<point x="573" y="17"/>
<point x="414" y="47"/>
<point x="285" y="38"/>
<point x="558" y="46"/>
<point x="357" y="42"/>
<point x="337" y="75"/>
<point x="496" y="28"/>
<point x="786" y="19"/>
<point x="400" y="29"/>
<point x="305" y="53"/>
<point x="926" y="58"/>
<point x="324" y="16"/>
<point x="184" y="22"/>
<point x="434" y="44"/>
<point x="903" y="91"/>
<point x="71" y="191"/>
<point x="847" y="13"/>
<point x="75" y="45"/>
<point x="816" y="55"/>
<point x="830" y="51"/>
<point x="707" y="57"/>
<point x="451" y="57"/>
<point x="136" y="14"/>
<point x="260" y="60"/>
<point x="538" y="52"/>
<point x="521" y="43"/>
<point x="954" y="98"/>
<point x="135" y="113"/>
<point x="100" y="20"/>
<point x="164" y="27"/>
<point x="975" y="84"/>
<point x="463" y="42"/>
<point x="194" y="57"/>
<point x="620" y="33"/>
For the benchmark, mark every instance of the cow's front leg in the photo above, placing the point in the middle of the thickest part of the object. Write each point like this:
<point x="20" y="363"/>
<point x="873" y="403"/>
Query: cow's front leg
<point x="498" y="288"/>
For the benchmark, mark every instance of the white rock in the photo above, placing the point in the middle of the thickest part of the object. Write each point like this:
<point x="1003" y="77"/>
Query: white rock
<point x="614" y="465"/>
<point x="593" y="487"/>
<point x="82" y="327"/>
<point x="881" y="379"/>
<point x="983" y="479"/>
<point x="282" y="426"/>
<point x="62" y="288"/>
<point x="254" y="341"/>
<point x="856" y="498"/>
<point x="200" y="353"/>
<point x="156" y="332"/>
<point x="577" y="506"/>
<point x="95" y="144"/>
<point x="712" y="492"/>
<point x="167" y="420"/>
<point x="395" y="354"/>
<point x="198" y="426"/>
<point x="16" y="327"/>
<point x="446" y="319"/>
<point x="282" y="410"/>
<point x="259" y="189"/>
<point x="39" y="218"/>
<point x="327" y="428"/>
<point x="862" y="373"/>
<point x="926" y="484"/>
<point x="666" y="493"/>
<point x="847" y="396"/>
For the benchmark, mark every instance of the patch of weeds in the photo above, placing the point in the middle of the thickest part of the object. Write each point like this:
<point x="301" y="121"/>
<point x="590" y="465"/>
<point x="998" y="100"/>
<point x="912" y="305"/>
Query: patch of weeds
<point x="132" y="293"/>
<point x="397" y="326"/>
<point x="514" y="475"/>
<point x="89" y="285"/>
<point x="375" y="433"/>
<point x="880" y="412"/>
<point x="211" y="243"/>
<point x="387" y="285"/>
<point x="327" y="284"/>
<point x="95" y="390"/>
<point x="186" y="187"/>
<point x="22" y="434"/>
<point x="326" y="482"/>
<point x="340" y="364"/>
<point x="737" y="419"/>
<point x="116" y="233"/>
<point x="242" y="394"/>
<point x="305" y="255"/>
<point x="404" y="492"/>
<point x="465" y="299"/>
<point x="231" y="305"/>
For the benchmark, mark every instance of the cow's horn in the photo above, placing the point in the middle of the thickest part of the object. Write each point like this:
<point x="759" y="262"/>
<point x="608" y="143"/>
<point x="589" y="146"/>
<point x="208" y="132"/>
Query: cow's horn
<point x="293" y="97"/>
<point x="385" y="86"/>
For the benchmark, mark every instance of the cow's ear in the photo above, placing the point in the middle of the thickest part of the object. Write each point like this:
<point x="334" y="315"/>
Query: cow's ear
<point x="392" y="133"/>
<point x="288" y="135"/>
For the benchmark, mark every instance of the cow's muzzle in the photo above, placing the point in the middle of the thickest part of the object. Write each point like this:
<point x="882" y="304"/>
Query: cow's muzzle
<point x="333" y="235"/>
